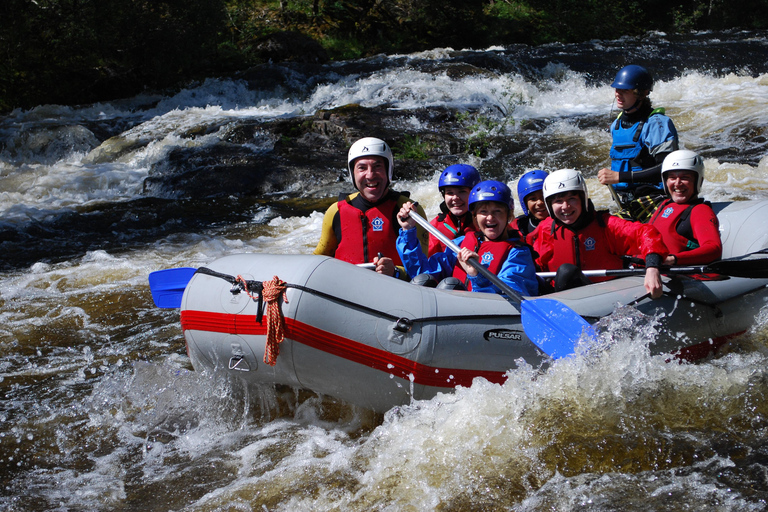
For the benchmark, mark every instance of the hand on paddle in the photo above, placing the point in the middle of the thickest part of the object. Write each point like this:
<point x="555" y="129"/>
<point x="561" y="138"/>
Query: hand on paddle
<point x="404" y="216"/>
<point x="384" y="265"/>
<point x="464" y="255"/>
<point x="653" y="284"/>
<point x="607" y="177"/>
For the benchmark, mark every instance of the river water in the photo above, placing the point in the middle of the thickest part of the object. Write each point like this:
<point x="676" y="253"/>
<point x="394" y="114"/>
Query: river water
<point x="102" y="410"/>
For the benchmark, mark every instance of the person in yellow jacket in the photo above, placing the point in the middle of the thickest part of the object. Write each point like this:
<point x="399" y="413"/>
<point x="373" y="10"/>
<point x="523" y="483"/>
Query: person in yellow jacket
<point x="362" y="227"/>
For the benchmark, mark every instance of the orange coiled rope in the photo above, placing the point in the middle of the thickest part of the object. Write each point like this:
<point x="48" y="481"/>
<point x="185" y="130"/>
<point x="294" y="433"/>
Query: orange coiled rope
<point x="271" y="294"/>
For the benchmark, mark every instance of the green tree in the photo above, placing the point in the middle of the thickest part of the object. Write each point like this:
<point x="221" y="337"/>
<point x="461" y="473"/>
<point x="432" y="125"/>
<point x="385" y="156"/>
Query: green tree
<point x="71" y="51"/>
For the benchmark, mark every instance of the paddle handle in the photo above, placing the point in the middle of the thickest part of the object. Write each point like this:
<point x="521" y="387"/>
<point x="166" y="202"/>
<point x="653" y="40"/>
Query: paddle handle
<point x="623" y="272"/>
<point x="493" y="278"/>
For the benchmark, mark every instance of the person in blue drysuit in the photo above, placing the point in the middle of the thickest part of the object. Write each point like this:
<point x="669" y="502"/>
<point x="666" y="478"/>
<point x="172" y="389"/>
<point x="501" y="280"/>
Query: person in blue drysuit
<point x="642" y="138"/>
<point x="494" y="244"/>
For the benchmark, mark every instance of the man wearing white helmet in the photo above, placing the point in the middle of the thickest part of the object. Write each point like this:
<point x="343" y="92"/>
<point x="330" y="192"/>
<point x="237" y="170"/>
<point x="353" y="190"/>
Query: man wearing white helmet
<point x="361" y="227"/>
<point x="642" y="137"/>
<point x="576" y="237"/>
<point x="687" y="223"/>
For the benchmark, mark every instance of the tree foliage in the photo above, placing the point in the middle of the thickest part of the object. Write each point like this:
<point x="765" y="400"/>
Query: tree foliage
<point x="71" y="51"/>
<point x="76" y="51"/>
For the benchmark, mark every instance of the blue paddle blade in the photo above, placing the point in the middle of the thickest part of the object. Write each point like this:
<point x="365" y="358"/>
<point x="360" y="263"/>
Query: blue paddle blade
<point x="168" y="286"/>
<point x="554" y="327"/>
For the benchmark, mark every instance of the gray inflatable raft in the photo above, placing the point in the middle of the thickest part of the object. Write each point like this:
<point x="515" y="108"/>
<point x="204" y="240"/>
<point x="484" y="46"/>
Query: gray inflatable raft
<point x="376" y="341"/>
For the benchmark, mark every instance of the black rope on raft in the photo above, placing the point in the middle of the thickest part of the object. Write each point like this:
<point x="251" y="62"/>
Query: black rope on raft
<point x="242" y="284"/>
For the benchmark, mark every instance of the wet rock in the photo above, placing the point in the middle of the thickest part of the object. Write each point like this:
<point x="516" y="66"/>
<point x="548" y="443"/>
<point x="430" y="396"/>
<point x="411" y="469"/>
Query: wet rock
<point x="290" y="46"/>
<point x="46" y="144"/>
<point x="113" y="148"/>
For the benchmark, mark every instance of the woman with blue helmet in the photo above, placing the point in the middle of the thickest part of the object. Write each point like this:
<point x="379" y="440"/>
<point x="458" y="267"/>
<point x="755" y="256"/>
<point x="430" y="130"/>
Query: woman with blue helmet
<point x="642" y="138"/>
<point x="532" y="202"/>
<point x="494" y="244"/>
<point x="454" y="218"/>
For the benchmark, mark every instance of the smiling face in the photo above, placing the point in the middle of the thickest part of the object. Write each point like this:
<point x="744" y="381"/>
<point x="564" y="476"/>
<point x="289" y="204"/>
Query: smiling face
<point x="456" y="199"/>
<point x="371" y="178"/>
<point x="491" y="219"/>
<point x="536" y="206"/>
<point x="681" y="185"/>
<point x="567" y="207"/>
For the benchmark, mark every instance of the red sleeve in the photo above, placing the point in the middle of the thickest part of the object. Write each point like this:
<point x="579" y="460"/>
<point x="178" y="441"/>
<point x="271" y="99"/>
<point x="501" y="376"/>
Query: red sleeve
<point x="513" y="224"/>
<point x="706" y="231"/>
<point x="435" y="245"/>
<point x="542" y="244"/>
<point x="635" y="238"/>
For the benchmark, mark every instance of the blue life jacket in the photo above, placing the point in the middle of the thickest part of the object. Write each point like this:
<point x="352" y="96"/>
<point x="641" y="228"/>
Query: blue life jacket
<point x="626" y="147"/>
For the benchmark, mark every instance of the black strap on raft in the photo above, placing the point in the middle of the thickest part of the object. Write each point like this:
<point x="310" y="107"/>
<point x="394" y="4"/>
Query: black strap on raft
<point x="256" y="287"/>
<point x="402" y="324"/>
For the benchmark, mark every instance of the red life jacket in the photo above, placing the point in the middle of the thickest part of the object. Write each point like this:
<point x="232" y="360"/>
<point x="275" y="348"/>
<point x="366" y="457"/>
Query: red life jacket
<point x="365" y="234"/>
<point x="670" y="219"/>
<point x="528" y="232"/>
<point x="492" y="254"/>
<point x="446" y="225"/>
<point x="588" y="249"/>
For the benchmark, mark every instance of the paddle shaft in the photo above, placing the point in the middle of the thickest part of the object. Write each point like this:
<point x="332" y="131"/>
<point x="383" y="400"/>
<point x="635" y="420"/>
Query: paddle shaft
<point x="493" y="278"/>
<point x="623" y="272"/>
<point x="753" y="266"/>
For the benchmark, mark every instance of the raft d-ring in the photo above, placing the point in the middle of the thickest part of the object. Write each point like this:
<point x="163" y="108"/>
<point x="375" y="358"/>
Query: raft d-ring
<point x="403" y="325"/>
<point x="239" y="363"/>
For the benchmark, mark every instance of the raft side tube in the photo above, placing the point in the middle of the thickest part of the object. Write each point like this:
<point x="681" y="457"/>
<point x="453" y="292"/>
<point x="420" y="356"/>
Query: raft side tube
<point x="447" y="338"/>
<point x="218" y="325"/>
<point x="743" y="226"/>
<point x="353" y="336"/>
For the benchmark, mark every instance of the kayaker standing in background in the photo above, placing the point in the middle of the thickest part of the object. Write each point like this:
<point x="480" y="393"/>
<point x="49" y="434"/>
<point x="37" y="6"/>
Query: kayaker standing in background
<point x="532" y="203"/>
<point x="494" y="244"/>
<point x="454" y="219"/>
<point x="577" y="237"/>
<point x="642" y="138"/>
<point x="687" y="223"/>
<point x="362" y="225"/>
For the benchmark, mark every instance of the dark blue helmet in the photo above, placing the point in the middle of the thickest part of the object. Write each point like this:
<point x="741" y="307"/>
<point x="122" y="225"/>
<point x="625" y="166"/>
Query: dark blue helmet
<point x="458" y="175"/>
<point x="529" y="183"/>
<point x="491" y="190"/>
<point x="633" y="77"/>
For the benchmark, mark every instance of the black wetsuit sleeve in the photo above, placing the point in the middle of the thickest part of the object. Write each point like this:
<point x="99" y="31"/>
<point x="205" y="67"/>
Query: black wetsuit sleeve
<point x="649" y="175"/>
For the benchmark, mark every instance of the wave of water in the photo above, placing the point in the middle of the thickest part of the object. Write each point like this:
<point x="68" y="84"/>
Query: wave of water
<point x="48" y="168"/>
<point x="607" y="430"/>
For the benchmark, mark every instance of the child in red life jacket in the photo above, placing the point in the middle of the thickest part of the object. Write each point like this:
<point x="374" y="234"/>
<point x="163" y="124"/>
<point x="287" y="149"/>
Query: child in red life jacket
<point x="454" y="219"/>
<point x="579" y="238"/>
<point x="496" y="246"/>
<point x="532" y="202"/>
<point x="687" y="224"/>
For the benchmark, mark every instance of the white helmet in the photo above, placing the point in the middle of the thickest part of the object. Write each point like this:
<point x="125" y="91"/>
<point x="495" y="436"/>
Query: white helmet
<point x="370" y="146"/>
<point x="564" y="180"/>
<point x="683" y="160"/>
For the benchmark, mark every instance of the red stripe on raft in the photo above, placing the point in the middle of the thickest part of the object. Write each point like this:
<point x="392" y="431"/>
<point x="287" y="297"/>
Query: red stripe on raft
<point x="341" y="347"/>
<point x="702" y="350"/>
<point x="377" y="358"/>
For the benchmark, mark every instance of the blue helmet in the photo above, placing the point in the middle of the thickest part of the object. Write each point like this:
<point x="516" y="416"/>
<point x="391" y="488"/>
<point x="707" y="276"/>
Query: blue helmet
<point x="458" y="175"/>
<point x="529" y="183"/>
<point x="491" y="190"/>
<point x="633" y="77"/>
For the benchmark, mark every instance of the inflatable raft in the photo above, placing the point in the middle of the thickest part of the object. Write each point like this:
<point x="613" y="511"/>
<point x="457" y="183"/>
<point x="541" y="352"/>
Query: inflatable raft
<point x="378" y="342"/>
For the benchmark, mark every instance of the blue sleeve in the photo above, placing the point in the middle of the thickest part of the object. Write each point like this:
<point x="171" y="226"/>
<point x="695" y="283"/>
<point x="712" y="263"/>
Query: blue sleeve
<point x="416" y="262"/>
<point x="659" y="134"/>
<point x="518" y="271"/>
